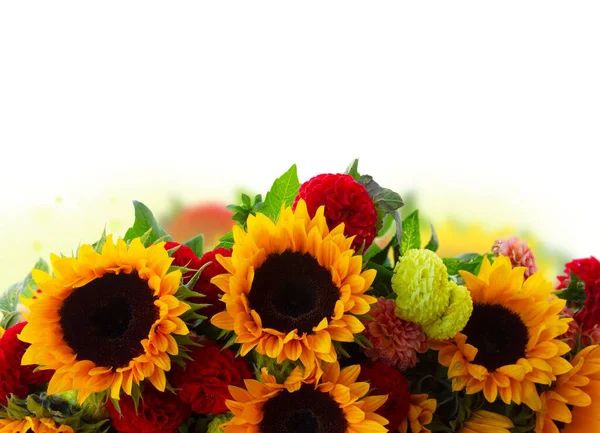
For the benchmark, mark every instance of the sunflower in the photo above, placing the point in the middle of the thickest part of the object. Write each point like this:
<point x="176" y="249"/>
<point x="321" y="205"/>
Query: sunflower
<point x="35" y="425"/>
<point x="575" y="398"/>
<point x="336" y="404"/>
<point x="292" y="287"/>
<point x="509" y="344"/>
<point x="105" y="321"/>
<point x="420" y="413"/>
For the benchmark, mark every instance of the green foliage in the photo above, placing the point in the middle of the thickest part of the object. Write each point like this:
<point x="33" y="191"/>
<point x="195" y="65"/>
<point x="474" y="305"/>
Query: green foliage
<point x="145" y="223"/>
<point x="411" y="233"/>
<point x="470" y="262"/>
<point x="226" y="241"/>
<point x="247" y="208"/>
<point x="196" y="244"/>
<point x="60" y="410"/>
<point x="352" y="170"/>
<point x="385" y="200"/>
<point x="574" y="294"/>
<point x="283" y="192"/>
<point x="9" y="301"/>
<point x="433" y="243"/>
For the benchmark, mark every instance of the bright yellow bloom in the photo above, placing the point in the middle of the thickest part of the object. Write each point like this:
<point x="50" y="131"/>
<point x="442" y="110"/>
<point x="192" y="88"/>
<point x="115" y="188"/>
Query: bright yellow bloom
<point x="105" y="321"/>
<point x="575" y="398"/>
<point x="420" y="414"/>
<point x="33" y="425"/>
<point x="420" y="281"/>
<point x="510" y="343"/>
<point x="455" y="317"/>
<point x="336" y="403"/>
<point x="1" y="331"/>
<point x="483" y="421"/>
<point x="292" y="287"/>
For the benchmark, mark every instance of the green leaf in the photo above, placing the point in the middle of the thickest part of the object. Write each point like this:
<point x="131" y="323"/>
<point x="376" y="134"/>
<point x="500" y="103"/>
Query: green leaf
<point x="283" y="192"/>
<point x="145" y="221"/>
<point x="196" y="244"/>
<point x="384" y="198"/>
<point x="226" y="241"/>
<point x="411" y="233"/>
<point x="433" y="243"/>
<point x="469" y="262"/>
<point x="574" y="294"/>
<point x="352" y="170"/>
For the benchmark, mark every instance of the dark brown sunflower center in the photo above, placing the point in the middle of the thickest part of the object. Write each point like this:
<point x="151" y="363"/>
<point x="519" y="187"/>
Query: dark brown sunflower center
<point x="106" y="320"/>
<point x="304" y="411"/>
<point x="292" y="291"/>
<point x="498" y="333"/>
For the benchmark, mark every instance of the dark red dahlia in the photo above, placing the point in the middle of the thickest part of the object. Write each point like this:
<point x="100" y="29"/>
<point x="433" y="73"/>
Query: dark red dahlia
<point x="185" y="257"/>
<point x="158" y="412"/>
<point x="204" y="382"/>
<point x="388" y="380"/>
<point x="14" y="377"/>
<point x="588" y="271"/>
<point x="346" y="201"/>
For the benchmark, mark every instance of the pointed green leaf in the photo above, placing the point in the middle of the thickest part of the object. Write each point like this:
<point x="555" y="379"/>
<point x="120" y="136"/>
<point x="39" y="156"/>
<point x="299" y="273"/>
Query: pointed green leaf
<point x="196" y="244"/>
<point x="145" y="221"/>
<point x="352" y="170"/>
<point x="283" y="192"/>
<point x="433" y="243"/>
<point x="411" y="233"/>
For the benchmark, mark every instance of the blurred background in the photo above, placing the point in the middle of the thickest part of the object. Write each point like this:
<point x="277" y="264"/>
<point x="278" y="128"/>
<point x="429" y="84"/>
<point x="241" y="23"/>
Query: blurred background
<point x="485" y="116"/>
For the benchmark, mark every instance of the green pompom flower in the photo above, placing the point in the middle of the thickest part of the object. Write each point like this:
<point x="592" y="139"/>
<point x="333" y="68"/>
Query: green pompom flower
<point x="420" y="281"/>
<point x="456" y="316"/>
<point x="215" y="424"/>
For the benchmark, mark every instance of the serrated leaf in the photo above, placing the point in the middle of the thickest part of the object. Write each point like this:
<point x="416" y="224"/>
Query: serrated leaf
<point x="144" y="222"/>
<point x="352" y="170"/>
<point x="386" y="199"/>
<point x="411" y="233"/>
<point x="469" y="262"/>
<point x="196" y="244"/>
<point x="433" y="243"/>
<point x="283" y="192"/>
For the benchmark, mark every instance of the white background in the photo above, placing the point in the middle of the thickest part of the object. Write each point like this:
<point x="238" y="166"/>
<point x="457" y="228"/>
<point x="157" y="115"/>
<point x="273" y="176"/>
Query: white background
<point x="491" y="110"/>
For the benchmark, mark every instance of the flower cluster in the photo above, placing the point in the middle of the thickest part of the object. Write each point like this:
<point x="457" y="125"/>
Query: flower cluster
<point x="321" y="310"/>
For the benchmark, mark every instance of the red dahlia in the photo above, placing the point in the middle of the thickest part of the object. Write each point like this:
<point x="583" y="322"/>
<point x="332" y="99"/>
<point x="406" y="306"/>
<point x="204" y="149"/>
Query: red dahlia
<point x="158" y="412"/>
<point x="204" y="383"/>
<point x="388" y="380"/>
<point x="184" y="256"/>
<point x="588" y="271"/>
<point x="14" y="377"/>
<point x="346" y="201"/>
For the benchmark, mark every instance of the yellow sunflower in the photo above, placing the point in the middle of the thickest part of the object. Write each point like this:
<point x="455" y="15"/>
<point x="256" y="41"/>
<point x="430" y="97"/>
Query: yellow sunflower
<point x="292" y="287"/>
<point x="484" y="421"/>
<point x="105" y="321"/>
<point x="420" y="413"/>
<point x="575" y="398"/>
<point x="33" y="425"/>
<point x="510" y="342"/>
<point x="335" y="404"/>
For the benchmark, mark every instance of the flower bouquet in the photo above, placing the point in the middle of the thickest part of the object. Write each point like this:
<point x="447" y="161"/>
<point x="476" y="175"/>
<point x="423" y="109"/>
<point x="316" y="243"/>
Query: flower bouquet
<point x="321" y="311"/>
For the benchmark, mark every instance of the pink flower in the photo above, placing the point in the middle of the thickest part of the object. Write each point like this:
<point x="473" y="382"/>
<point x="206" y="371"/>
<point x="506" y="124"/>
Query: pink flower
<point x="518" y="252"/>
<point x="395" y="341"/>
